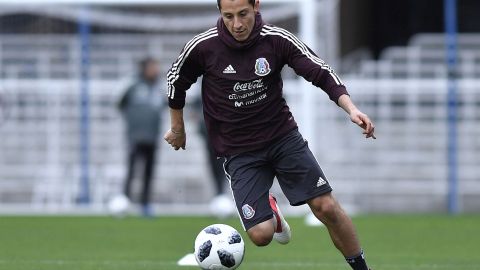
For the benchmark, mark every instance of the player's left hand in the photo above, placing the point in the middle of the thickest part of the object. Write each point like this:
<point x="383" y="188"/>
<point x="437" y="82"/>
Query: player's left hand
<point x="363" y="121"/>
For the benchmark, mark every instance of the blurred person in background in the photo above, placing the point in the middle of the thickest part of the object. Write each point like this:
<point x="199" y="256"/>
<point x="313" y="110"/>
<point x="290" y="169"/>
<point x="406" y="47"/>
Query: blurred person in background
<point x="221" y="206"/>
<point x="141" y="107"/>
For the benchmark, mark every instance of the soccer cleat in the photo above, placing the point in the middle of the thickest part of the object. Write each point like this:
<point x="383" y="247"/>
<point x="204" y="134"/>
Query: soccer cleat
<point x="282" y="234"/>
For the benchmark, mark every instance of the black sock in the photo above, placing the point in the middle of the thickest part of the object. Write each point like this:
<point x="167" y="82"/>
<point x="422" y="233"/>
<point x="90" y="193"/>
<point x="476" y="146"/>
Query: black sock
<point x="357" y="262"/>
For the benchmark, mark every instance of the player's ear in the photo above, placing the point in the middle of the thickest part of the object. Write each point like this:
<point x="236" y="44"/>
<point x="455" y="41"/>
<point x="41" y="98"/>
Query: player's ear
<point x="256" y="7"/>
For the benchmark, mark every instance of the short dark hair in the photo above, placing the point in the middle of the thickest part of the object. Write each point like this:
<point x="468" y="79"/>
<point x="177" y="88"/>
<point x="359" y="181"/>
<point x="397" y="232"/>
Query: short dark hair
<point x="252" y="2"/>
<point x="145" y="62"/>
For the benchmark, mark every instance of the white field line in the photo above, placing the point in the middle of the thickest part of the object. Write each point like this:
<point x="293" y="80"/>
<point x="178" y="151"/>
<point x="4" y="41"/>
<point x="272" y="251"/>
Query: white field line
<point x="275" y="265"/>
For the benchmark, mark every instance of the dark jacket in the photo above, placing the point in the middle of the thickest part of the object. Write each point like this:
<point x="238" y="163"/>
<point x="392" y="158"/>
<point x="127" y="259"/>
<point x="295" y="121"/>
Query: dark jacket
<point x="141" y="107"/>
<point x="242" y="87"/>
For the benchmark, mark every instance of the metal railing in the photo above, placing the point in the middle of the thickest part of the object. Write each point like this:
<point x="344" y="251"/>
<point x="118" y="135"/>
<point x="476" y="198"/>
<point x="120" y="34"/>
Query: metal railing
<point x="405" y="168"/>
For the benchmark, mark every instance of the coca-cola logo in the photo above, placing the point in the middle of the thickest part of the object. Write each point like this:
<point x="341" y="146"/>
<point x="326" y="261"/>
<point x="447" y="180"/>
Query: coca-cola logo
<point x="248" y="86"/>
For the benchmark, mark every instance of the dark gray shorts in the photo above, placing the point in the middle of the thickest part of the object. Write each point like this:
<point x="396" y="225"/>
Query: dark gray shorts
<point x="251" y="176"/>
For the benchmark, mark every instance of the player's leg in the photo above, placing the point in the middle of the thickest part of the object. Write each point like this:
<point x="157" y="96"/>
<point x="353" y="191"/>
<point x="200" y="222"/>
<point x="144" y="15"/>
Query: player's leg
<point x="275" y="228"/>
<point x="132" y="153"/>
<point x="340" y="227"/>
<point x="149" y="159"/>
<point x="303" y="181"/>
<point x="262" y="234"/>
<point x="282" y="230"/>
<point x="251" y="178"/>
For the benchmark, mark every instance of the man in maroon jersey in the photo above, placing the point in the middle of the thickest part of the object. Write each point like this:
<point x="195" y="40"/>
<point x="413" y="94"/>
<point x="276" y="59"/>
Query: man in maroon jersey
<point x="250" y="124"/>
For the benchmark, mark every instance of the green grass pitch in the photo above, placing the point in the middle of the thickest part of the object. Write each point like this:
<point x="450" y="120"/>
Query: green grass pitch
<point x="103" y="243"/>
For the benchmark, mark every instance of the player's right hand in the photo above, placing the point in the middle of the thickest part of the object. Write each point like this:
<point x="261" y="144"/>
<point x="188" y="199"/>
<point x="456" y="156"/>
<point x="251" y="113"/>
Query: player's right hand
<point x="177" y="139"/>
<point x="363" y="121"/>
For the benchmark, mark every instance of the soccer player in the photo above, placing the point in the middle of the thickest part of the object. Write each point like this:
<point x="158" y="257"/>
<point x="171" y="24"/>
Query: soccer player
<point x="250" y="124"/>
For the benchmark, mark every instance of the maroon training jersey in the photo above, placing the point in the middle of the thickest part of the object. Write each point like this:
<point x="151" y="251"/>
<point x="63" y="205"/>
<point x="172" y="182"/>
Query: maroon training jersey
<point x="242" y="93"/>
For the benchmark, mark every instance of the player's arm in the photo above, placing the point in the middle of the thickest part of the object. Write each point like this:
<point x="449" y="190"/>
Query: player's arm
<point x="357" y="117"/>
<point x="184" y="72"/>
<point x="176" y="135"/>
<point x="122" y="103"/>
<point x="308" y="65"/>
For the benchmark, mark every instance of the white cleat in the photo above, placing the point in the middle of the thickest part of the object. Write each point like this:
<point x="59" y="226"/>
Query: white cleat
<point x="283" y="234"/>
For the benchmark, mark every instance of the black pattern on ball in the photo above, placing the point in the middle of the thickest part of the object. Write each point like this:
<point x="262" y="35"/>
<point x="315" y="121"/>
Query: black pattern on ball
<point x="213" y="230"/>
<point x="204" y="250"/>
<point x="235" y="238"/>
<point x="226" y="258"/>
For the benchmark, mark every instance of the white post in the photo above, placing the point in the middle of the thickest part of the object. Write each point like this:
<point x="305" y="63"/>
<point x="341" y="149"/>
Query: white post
<point x="308" y="33"/>
<point x="332" y="42"/>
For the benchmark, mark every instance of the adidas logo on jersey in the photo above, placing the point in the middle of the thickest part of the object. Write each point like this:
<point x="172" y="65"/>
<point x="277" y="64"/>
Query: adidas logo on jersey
<point x="321" y="182"/>
<point x="229" y="70"/>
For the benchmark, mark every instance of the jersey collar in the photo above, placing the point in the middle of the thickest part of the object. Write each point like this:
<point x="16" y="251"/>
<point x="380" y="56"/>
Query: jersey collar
<point x="231" y="42"/>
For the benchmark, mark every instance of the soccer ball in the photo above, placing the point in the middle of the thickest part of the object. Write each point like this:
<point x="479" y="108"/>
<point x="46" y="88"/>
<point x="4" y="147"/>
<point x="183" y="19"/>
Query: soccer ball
<point x="219" y="247"/>
<point x="118" y="205"/>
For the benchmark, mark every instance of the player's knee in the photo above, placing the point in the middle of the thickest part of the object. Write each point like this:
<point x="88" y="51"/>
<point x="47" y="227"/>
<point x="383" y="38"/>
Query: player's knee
<point x="261" y="240"/>
<point x="260" y="236"/>
<point x="326" y="209"/>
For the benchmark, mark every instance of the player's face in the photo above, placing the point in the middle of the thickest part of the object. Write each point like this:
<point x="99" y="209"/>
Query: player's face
<point x="151" y="71"/>
<point x="239" y="17"/>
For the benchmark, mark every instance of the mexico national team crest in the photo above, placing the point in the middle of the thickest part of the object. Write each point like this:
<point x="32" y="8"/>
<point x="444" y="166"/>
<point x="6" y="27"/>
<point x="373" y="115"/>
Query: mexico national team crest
<point x="248" y="211"/>
<point x="262" y="67"/>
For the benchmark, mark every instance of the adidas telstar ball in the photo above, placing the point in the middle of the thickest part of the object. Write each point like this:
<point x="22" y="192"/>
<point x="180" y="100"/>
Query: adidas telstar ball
<point x="219" y="247"/>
